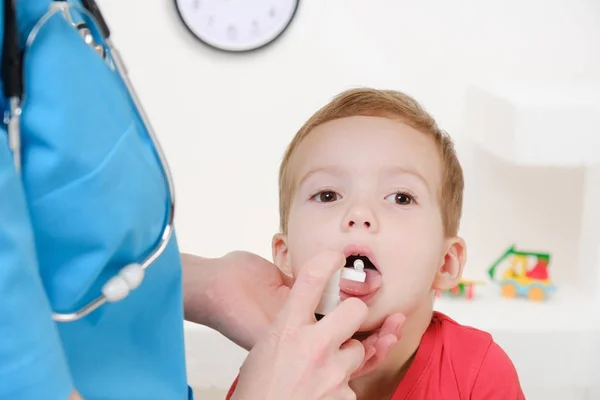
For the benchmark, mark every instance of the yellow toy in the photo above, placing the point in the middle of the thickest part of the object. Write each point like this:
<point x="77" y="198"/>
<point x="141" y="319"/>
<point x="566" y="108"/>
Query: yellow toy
<point x="521" y="280"/>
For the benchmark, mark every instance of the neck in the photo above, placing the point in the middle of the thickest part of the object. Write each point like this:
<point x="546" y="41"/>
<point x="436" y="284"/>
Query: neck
<point x="381" y="383"/>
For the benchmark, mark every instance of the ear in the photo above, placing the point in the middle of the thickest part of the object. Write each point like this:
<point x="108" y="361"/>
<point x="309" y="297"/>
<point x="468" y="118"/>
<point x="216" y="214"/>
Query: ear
<point x="452" y="265"/>
<point x="280" y="253"/>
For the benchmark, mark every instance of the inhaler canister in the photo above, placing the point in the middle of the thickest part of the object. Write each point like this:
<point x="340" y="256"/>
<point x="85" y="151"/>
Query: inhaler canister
<point x="331" y="296"/>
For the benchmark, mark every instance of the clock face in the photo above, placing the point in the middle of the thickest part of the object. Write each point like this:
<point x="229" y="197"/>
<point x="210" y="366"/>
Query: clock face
<point x="237" y="25"/>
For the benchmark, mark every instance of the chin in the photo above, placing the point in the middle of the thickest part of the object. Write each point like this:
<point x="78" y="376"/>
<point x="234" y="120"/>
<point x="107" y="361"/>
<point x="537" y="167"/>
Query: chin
<point x="372" y="324"/>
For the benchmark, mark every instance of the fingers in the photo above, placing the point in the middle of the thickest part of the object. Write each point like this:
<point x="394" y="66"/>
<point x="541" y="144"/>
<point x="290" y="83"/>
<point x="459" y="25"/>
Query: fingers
<point x="380" y="351"/>
<point x="344" y="321"/>
<point x="382" y="342"/>
<point x="309" y="286"/>
<point x="369" y="353"/>
<point x="351" y="355"/>
<point x="393" y="325"/>
<point x="383" y="346"/>
<point x="345" y="393"/>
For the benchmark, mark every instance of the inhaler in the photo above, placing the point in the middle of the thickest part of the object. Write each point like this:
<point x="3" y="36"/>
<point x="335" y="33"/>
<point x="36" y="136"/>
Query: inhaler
<point x="331" y="295"/>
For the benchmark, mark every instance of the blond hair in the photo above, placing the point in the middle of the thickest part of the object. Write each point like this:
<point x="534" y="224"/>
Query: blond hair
<point x="389" y="104"/>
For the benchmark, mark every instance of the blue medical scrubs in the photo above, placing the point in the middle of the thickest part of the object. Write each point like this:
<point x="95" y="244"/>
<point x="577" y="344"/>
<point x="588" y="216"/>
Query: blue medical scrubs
<point x="91" y="199"/>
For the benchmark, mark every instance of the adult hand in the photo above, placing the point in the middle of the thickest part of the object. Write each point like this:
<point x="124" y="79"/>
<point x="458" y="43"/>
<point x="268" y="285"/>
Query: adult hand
<point x="299" y="358"/>
<point x="382" y="341"/>
<point x="240" y="294"/>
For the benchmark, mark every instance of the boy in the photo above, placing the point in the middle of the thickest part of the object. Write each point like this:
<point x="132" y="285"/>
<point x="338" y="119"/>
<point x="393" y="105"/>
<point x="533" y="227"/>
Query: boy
<point x="371" y="175"/>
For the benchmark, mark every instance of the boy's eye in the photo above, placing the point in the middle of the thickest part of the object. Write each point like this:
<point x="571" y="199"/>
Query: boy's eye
<point x="402" y="199"/>
<point x="326" y="196"/>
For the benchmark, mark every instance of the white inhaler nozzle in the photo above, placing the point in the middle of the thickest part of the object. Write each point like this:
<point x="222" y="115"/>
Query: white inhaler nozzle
<point x="357" y="273"/>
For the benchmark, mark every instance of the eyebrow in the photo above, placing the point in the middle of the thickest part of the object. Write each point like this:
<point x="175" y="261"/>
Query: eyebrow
<point x="397" y="170"/>
<point x="413" y="172"/>
<point x="329" y="169"/>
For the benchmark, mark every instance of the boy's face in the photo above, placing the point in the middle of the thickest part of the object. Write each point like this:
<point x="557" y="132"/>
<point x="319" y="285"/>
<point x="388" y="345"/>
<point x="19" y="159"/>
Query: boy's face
<point x="371" y="185"/>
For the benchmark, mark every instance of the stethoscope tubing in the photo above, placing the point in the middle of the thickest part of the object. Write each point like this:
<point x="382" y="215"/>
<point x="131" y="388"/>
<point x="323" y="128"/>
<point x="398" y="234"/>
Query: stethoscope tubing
<point x="93" y="12"/>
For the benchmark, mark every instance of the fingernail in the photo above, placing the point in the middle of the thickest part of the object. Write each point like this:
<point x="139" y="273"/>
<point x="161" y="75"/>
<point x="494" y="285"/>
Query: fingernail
<point x="370" y="352"/>
<point x="392" y="344"/>
<point x="399" y="330"/>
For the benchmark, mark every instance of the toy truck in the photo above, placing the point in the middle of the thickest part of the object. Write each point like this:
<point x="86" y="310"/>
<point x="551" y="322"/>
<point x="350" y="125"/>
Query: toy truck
<point x="522" y="279"/>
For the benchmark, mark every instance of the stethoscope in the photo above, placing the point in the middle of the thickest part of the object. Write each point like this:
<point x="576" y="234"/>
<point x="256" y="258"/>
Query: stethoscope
<point x="132" y="275"/>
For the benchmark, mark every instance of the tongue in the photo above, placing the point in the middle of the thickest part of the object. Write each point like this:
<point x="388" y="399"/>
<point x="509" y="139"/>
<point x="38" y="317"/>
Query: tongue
<point x="371" y="283"/>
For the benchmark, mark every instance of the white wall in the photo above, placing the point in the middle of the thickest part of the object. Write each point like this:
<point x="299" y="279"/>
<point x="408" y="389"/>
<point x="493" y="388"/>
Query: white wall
<point x="211" y="108"/>
<point x="225" y="120"/>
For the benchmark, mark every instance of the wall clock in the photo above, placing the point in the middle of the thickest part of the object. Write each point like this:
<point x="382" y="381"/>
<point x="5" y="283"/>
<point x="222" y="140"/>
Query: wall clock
<point x="237" y="25"/>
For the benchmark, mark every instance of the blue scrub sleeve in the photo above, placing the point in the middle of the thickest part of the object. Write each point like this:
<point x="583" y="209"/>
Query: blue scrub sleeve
<point x="32" y="362"/>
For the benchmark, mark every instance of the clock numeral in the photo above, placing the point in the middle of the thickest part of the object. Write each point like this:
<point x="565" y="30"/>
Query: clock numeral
<point x="232" y="32"/>
<point x="255" y="27"/>
<point x="233" y="27"/>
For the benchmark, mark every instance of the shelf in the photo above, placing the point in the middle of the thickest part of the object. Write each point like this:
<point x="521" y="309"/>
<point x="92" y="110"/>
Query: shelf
<point x="489" y="311"/>
<point x="552" y="125"/>
<point x="566" y="310"/>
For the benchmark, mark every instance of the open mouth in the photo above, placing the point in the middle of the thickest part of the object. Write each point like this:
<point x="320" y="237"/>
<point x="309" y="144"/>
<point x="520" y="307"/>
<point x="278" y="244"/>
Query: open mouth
<point x="357" y="259"/>
<point x="372" y="278"/>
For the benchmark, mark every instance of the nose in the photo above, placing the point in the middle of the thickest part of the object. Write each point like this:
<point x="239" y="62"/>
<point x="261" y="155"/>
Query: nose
<point x="359" y="221"/>
<point x="360" y="217"/>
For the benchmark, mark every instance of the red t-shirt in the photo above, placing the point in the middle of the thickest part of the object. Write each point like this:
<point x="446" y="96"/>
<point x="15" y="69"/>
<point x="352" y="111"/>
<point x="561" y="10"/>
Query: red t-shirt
<point x="456" y="362"/>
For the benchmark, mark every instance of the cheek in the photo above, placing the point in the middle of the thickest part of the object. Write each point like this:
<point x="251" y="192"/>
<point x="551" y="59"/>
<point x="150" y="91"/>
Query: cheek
<point x="410" y="279"/>
<point x="415" y="239"/>
<point x="414" y="254"/>
<point x="305" y="241"/>
<point x="405" y="291"/>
